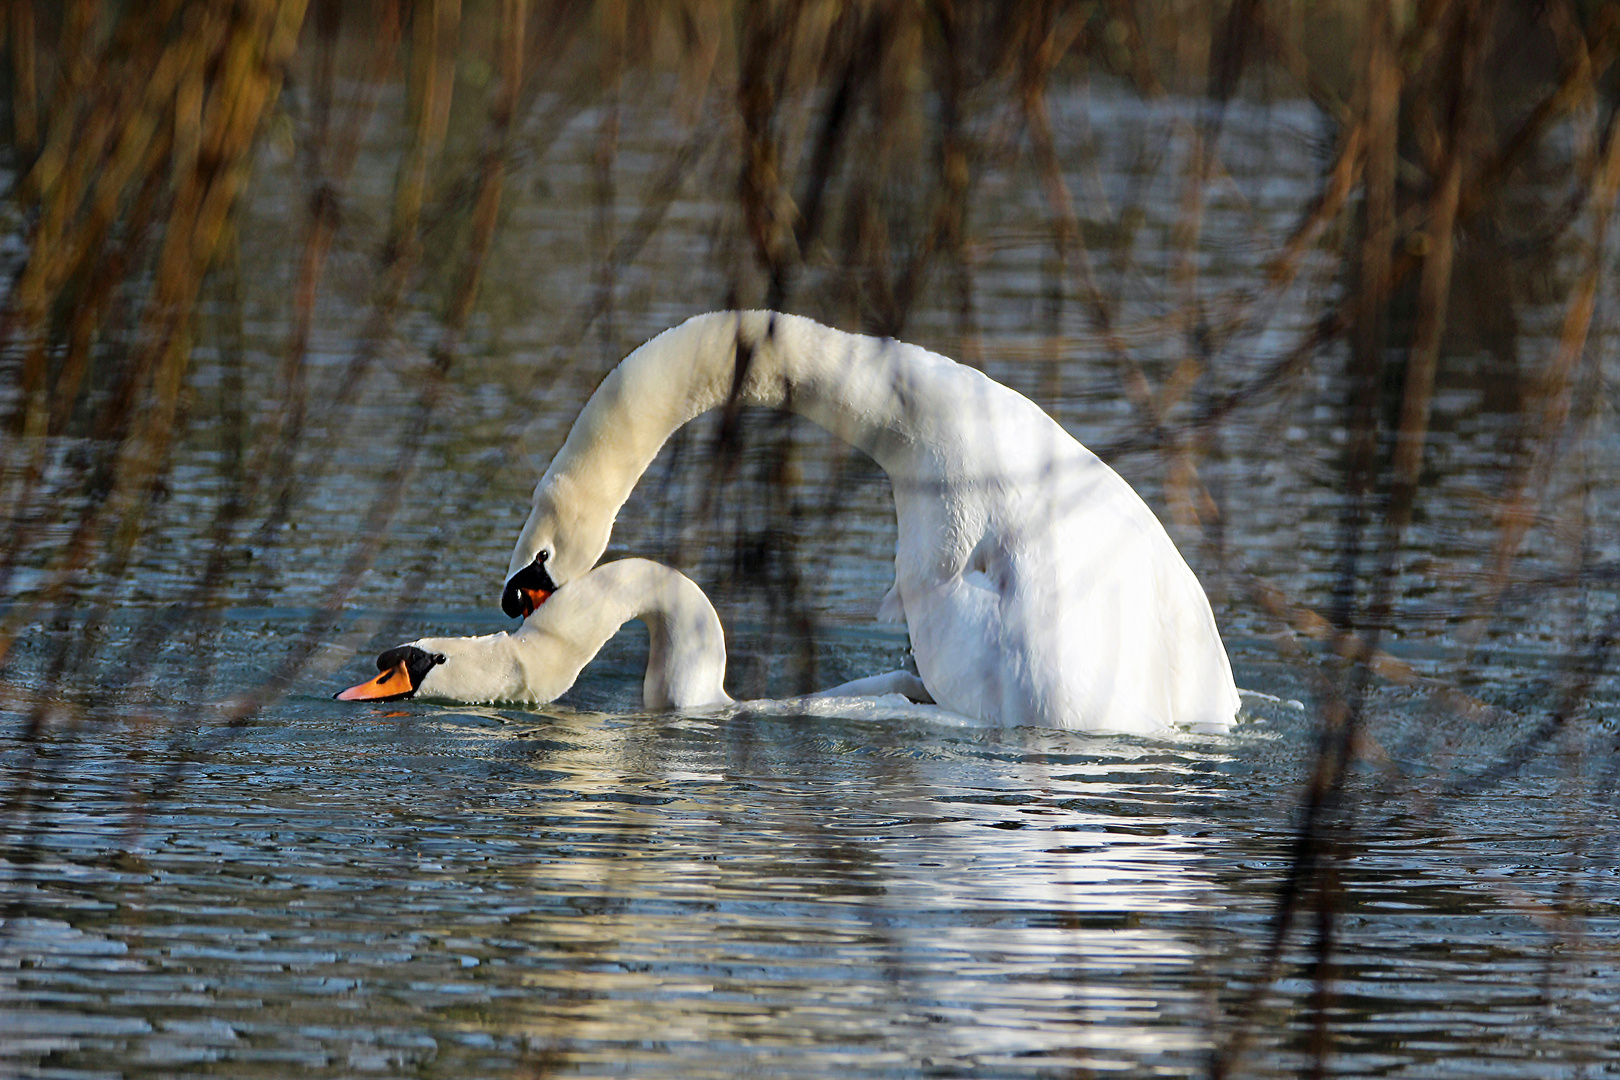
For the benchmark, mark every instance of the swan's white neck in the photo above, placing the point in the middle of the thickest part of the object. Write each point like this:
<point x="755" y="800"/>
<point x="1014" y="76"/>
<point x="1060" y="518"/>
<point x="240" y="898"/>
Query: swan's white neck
<point x="843" y="382"/>
<point x="686" y="657"/>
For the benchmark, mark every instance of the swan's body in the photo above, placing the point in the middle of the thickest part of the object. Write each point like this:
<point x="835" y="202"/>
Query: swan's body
<point x="1037" y="586"/>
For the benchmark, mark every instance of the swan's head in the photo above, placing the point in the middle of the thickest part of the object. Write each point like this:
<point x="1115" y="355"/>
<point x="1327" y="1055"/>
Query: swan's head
<point x="404" y="668"/>
<point x="530" y="587"/>
<point x="564" y="537"/>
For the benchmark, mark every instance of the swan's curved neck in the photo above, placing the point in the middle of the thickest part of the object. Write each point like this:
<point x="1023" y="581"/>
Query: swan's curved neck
<point x="686" y="657"/>
<point x="843" y="382"/>
<point x="686" y="645"/>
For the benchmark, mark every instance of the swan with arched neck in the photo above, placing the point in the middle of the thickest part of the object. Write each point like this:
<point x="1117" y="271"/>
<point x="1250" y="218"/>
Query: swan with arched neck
<point x="686" y="646"/>
<point x="1037" y="587"/>
<point x="686" y="649"/>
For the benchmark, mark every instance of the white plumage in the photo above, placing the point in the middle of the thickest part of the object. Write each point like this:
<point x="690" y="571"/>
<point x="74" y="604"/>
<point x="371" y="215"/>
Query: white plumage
<point x="1037" y="586"/>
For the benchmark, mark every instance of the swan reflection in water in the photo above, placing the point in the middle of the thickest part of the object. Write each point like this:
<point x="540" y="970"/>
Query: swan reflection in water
<point x="967" y="892"/>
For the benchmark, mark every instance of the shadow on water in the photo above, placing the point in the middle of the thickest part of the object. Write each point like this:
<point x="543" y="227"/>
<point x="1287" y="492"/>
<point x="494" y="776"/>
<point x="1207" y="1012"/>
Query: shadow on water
<point x="302" y="295"/>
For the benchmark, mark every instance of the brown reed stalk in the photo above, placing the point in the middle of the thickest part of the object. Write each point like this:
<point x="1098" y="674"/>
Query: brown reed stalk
<point x="373" y="528"/>
<point x="1518" y="504"/>
<point x="1378" y="101"/>
<point x="546" y="34"/>
<point x="1189" y="500"/>
<point x="767" y="37"/>
<point x="145" y="409"/>
<point x="213" y="122"/>
<point x="1468" y="36"/>
<point x="491" y="176"/>
<point x="434" y="29"/>
<point x="1046" y="42"/>
<point x="279" y="466"/>
<point x="1604" y="47"/>
<point x="272" y="467"/>
<point x="611" y="30"/>
<point x="77" y="222"/>
<point x="24" y="76"/>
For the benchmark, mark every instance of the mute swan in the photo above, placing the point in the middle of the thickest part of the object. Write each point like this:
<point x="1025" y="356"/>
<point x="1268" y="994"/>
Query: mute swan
<point x="1036" y="585"/>
<point x="686" y="649"/>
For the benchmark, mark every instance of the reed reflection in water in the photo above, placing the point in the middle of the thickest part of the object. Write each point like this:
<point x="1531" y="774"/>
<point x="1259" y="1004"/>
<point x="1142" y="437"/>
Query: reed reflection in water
<point x="303" y="295"/>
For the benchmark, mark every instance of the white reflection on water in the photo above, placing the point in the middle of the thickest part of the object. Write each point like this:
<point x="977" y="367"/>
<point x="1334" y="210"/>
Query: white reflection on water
<point x="952" y="905"/>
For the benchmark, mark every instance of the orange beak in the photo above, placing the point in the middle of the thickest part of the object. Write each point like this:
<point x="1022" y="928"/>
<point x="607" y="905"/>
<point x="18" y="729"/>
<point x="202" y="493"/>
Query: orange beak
<point x="393" y="683"/>
<point x="531" y="599"/>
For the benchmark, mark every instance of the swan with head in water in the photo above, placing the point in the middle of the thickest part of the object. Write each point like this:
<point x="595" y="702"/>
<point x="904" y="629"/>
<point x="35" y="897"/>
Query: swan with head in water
<point x="686" y="649"/>
<point x="1036" y="585"/>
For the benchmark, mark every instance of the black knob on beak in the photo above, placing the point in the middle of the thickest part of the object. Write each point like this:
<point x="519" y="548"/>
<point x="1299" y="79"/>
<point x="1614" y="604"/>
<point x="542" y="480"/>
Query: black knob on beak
<point x="527" y="589"/>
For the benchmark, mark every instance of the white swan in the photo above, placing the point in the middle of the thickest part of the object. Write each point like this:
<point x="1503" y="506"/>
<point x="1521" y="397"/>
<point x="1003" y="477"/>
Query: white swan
<point x="1037" y="586"/>
<point x="686" y="649"/>
<point x="686" y="646"/>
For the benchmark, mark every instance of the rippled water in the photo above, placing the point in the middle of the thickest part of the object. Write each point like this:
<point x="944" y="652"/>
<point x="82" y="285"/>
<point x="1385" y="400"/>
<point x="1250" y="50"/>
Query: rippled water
<point x="583" y="890"/>
<point x="461" y="893"/>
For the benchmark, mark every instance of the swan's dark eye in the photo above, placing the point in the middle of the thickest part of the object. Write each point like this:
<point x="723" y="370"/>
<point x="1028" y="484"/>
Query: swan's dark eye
<point x="439" y="658"/>
<point x="543" y="556"/>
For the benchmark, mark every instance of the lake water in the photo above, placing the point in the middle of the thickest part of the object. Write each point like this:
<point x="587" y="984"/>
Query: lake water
<point x="584" y="890"/>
